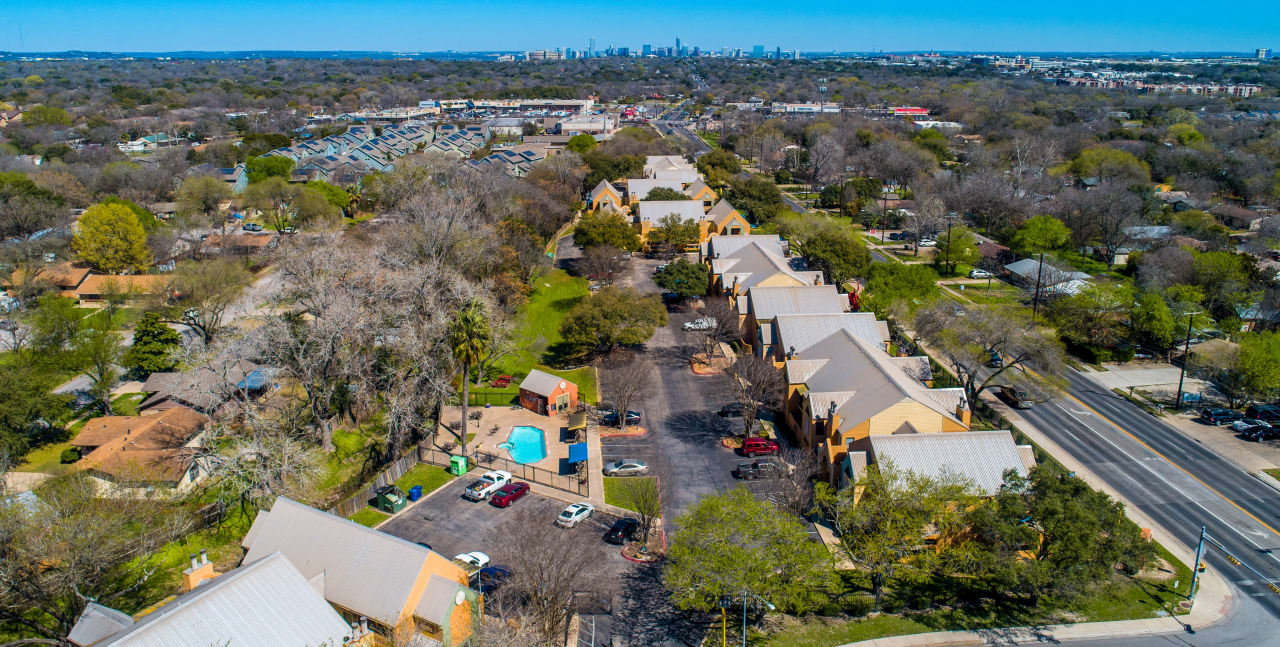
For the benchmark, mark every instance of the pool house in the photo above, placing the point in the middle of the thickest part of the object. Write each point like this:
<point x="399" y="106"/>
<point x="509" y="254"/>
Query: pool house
<point x="547" y="394"/>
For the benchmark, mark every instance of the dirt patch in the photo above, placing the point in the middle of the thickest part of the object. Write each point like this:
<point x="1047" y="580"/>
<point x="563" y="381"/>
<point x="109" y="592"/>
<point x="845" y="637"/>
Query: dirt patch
<point x="1159" y="571"/>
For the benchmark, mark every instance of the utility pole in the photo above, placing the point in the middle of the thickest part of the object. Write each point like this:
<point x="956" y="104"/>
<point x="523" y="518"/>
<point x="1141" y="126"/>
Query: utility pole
<point x="1195" y="568"/>
<point x="951" y="217"/>
<point x="1035" y="301"/>
<point x="1186" y="354"/>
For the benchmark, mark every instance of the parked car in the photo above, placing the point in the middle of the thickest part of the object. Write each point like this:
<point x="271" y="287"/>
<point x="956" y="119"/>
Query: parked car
<point x="611" y="418"/>
<point x="626" y="467"/>
<point x="995" y="360"/>
<point x="623" y="531"/>
<point x="574" y="513"/>
<point x="474" y="558"/>
<point x="897" y="235"/>
<point x="1017" y="397"/>
<point x="1265" y="433"/>
<point x="484" y="487"/>
<point x="976" y="273"/>
<point x="508" y="494"/>
<point x="491" y="577"/>
<point x="731" y="410"/>
<point x="762" y="469"/>
<point x="927" y="242"/>
<point x="752" y="447"/>
<point x="289" y="230"/>
<point x="1266" y="412"/>
<point x="252" y="226"/>
<point x="705" y="323"/>
<point x="1249" y="424"/>
<point x="1218" y="416"/>
<point x="660" y="268"/>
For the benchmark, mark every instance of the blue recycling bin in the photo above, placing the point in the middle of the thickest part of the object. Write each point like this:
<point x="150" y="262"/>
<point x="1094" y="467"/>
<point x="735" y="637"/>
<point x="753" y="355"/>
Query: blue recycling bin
<point x="415" y="493"/>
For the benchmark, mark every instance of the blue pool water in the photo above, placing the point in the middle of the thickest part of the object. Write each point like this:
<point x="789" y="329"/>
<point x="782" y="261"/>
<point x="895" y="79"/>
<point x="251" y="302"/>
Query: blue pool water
<point x="526" y="444"/>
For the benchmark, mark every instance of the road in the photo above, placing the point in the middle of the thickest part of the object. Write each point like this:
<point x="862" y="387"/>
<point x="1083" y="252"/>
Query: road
<point x="1181" y="486"/>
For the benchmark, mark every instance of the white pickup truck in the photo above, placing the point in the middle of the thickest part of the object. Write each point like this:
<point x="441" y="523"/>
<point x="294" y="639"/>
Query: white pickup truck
<point x="487" y="485"/>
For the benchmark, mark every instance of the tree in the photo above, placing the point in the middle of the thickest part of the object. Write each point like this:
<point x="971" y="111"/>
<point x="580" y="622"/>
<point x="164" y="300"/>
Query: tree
<point x="965" y="339"/>
<point x="261" y="168"/>
<point x="683" y="277"/>
<point x="272" y="198"/>
<point x="724" y="330"/>
<point x="55" y="323"/>
<point x="932" y="140"/>
<point x="958" y="245"/>
<point x="153" y="346"/>
<point x="605" y="228"/>
<point x="203" y="194"/>
<point x="50" y="116"/>
<point x="469" y="337"/>
<point x="1107" y="164"/>
<point x="627" y="380"/>
<point x="883" y="519"/>
<point x="718" y="166"/>
<point x="602" y="263"/>
<point x="1228" y="281"/>
<point x="665" y="193"/>
<point x="312" y="208"/>
<point x="754" y="383"/>
<point x="673" y="233"/>
<point x="1041" y="234"/>
<point x="1153" y="320"/>
<point x="147" y="219"/>
<point x="1096" y="316"/>
<point x="757" y="197"/>
<point x="1258" y="365"/>
<point x="29" y="410"/>
<point x="199" y="295"/>
<point x="336" y="196"/>
<point x="645" y="497"/>
<point x="732" y="544"/>
<point x="839" y="253"/>
<point x="1050" y="533"/>
<point x="893" y="287"/>
<point x="71" y="549"/>
<point x="613" y="317"/>
<point x="581" y="143"/>
<point x="110" y="238"/>
<point x="99" y="349"/>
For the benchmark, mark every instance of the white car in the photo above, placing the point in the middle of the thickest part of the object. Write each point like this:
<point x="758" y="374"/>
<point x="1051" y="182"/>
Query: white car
<point x="979" y="274"/>
<point x="574" y="513"/>
<point x="927" y="242"/>
<point x="705" y="323"/>
<point x="474" y="558"/>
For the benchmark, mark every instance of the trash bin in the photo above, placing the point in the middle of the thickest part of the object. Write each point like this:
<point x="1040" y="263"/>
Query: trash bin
<point x="415" y="493"/>
<point x="457" y="465"/>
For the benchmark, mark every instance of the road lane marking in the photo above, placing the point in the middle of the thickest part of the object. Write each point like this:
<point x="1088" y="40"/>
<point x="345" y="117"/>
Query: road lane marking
<point x="1184" y="470"/>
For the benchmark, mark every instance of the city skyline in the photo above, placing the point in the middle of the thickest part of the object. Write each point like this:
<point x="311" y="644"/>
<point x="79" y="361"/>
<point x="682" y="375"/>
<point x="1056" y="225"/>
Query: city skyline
<point x="396" y="25"/>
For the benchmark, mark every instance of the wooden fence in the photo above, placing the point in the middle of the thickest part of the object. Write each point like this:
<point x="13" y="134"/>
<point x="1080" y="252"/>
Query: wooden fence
<point x="360" y="499"/>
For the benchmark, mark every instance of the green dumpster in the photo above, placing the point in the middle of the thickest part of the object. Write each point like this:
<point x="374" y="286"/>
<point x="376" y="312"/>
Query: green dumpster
<point x="389" y="499"/>
<point x="457" y="465"/>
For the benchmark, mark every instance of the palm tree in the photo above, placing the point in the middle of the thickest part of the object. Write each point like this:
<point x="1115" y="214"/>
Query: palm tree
<point x="470" y="337"/>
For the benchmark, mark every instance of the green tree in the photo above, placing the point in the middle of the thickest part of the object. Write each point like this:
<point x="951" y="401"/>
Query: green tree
<point x="334" y="194"/>
<point x="203" y="194"/>
<point x="261" y="168"/>
<point x="153" y="345"/>
<point x="673" y="233"/>
<point x="110" y="238"/>
<point x="757" y="197"/>
<point x="932" y="140"/>
<point x="732" y="544"/>
<point x="1109" y="164"/>
<point x="605" y="228"/>
<point x="664" y="193"/>
<point x="55" y="323"/>
<point x="893" y="287"/>
<point x="884" y="518"/>
<point x="613" y="317"/>
<point x="49" y="116"/>
<point x="1185" y="134"/>
<point x="604" y="166"/>
<point x="957" y="246"/>
<point x="1050" y="533"/>
<point x="1096" y="316"/>
<point x="1153" y="320"/>
<point x="199" y="294"/>
<point x="145" y="217"/>
<point x="839" y="253"/>
<point x="1258" y="365"/>
<point x="719" y="166"/>
<point x="1041" y="234"/>
<point x="683" y="277"/>
<point x="273" y="197"/>
<point x="99" y="348"/>
<point x="470" y="338"/>
<point x="29" y="411"/>
<point x="1228" y="280"/>
<point x="581" y="143"/>
<point x="313" y="209"/>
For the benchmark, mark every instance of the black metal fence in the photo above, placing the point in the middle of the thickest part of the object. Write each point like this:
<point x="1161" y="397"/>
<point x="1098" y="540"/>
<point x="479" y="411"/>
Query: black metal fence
<point x="570" y="483"/>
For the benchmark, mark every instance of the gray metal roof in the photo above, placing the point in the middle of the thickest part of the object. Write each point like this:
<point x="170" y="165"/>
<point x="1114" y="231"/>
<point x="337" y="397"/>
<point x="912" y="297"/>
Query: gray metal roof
<point x="1029" y="268"/>
<point x="97" y="622"/>
<point x="802" y="331"/>
<point x="727" y="246"/>
<point x="369" y="572"/>
<point x="722" y="209"/>
<point x="436" y="602"/>
<point x="981" y="456"/>
<point x="767" y="303"/>
<point x="655" y="210"/>
<point x="266" y="603"/>
<point x="752" y="264"/>
<point x="540" y="382"/>
<point x="638" y="188"/>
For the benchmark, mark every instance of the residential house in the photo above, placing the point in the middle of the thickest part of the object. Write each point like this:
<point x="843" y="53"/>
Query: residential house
<point x="143" y="452"/>
<point x="724" y="219"/>
<point x="1237" y="217"/>
<point x="133" y="286"/>
<point x="638" y="188"/>
<point x="205" y="388"/>
<point x="604" y="194"/>
<point x="982" y="457"/>
<point x="792" y="335"/>
<point x="404" y="590"/>
<point x="65" y="277"/>
<point x="150" y="143"/>
<point x="544" y="393"/>
<point x="684" y="176"/>
<point x="266" y="603"/>
<point x="757" y="312"/>
<point x="235" y="177"/>
<point x="654" y="163"/>
<point x="845" y="389"/>
<point x="698" y="190"/>
<point x="516" y="161"/>
<point x="726" y="244"/>
<point x="649" y="212"/>
<point x="757" y="263"/>
<point x="240" y="242"/>
<point x="1027" y="273"/>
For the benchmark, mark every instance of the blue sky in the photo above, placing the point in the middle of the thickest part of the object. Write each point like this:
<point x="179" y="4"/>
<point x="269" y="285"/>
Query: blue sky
<point x="432" y="25"/>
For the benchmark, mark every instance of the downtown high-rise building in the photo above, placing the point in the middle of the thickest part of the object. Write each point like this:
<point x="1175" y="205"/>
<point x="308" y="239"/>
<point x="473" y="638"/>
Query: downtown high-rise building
<point x="1262" y="53"/>
<point x="757" y="51"/>
<point x="677" y="46"/>
<point x="646" y="50"/>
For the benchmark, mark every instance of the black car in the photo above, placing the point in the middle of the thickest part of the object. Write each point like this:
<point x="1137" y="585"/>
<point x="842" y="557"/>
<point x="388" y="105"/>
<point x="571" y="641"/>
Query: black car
<point x="731" y="410"/>
<point x="610" y="419"/>
<point x="623" y="531"/>
<point x="491" y="577"/>
<point x="1217" y="416"/>
<point x="1264" y="412"/>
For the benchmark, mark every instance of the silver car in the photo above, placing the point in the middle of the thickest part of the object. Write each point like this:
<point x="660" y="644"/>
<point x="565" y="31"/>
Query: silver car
<point x="626" y="467"/>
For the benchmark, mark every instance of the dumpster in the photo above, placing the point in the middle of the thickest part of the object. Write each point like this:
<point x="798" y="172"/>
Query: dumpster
<point x="389" y="499"/>
<point x="415" y="493"/>
<point x="457" y="465"/>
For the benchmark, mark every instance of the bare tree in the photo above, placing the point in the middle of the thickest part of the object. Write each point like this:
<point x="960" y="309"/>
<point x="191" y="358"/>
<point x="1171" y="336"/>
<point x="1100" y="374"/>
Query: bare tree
<point x="754" y="383"/>
<point x="826" y="157"/>
<point x="199" y="295"/>
<point x="924" y="219"/>
<point x="626" y="379"/>
<point x="794" y="492"/>
<point x="645" y="496"/>
<point x="723" y="330"/>
<point x="602" y="263"/>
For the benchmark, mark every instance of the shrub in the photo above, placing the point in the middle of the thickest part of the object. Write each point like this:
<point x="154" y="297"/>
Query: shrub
<point x="69" y="455"/>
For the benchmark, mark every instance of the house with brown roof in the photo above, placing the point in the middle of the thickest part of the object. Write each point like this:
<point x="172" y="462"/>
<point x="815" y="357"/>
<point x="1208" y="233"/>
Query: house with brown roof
<point x="1237" y="217"/>
<point x="205" y="388"/>
<point x="93" y="288"/>
<point x="64" y="277"/>
<point x="241" y="242"/>
<point x="124" y="453"/>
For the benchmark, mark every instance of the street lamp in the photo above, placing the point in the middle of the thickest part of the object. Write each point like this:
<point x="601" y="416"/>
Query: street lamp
<point x="745" y="594"/>
<point x="1186" y="353"/>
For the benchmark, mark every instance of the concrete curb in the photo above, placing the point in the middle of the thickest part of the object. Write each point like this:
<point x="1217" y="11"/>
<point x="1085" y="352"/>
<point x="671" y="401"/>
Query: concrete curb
<point x="1267" y="479"/>
<point x="424" y="497"/>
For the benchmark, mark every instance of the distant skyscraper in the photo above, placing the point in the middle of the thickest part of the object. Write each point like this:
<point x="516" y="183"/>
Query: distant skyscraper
<point x="795" y="54"/>
<point x="777" y="53"/>
<point x="737" y="52"/>
<point x="677" y="45"/>
<point x="757" y="51"/>
<point x="1262" y="52"/>
<point x="624" y="51"/>
<point x="591" y="46"/>
<point x="646" y="50"/>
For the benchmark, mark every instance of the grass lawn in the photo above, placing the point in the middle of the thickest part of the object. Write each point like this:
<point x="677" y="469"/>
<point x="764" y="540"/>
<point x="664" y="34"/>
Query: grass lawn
<point x="369" y="517"/>
<point x="712" y="138"/>
<point x="615" y="491"/>
<point x="126" y="404"/>
<point x="1274" y="473"/>
<point x="342" y="467"/>
<point x="221" y="541"/>
<point x="1001" y="293"/>
<point x="46" y="458"/>
<point x="430" y="477"/>
<point x="824" y="632"/>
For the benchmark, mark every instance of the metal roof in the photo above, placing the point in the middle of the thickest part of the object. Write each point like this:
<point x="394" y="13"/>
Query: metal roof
<point x="266" y="603"/>
<point x="727" y="246"/>
<point x="1028" y="268"/>
<point x="655" y="210"/>
<point x="97" y="622"/>
<point x="638" y="188"/>
<point x="981" y="456"/>
<point x="802" y="331"/>
<point x="767" y="303"/>
<point x="369" y="572"/>
<point x="436" y="602"/>
<point x="753" y="264"/>
<point x="541" y="383"/>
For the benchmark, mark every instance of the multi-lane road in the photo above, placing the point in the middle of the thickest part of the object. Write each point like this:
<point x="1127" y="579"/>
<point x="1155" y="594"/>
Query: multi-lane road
<point x="1181" y="486"/>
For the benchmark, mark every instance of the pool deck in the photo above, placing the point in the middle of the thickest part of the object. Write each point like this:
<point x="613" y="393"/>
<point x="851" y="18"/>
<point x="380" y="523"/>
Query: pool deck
<point x="495" y="426"/>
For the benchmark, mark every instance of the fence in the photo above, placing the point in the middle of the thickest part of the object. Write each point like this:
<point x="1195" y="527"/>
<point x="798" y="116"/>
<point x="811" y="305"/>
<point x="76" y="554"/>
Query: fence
<point x="567" y="482"/>
<point x="360" y="499"/>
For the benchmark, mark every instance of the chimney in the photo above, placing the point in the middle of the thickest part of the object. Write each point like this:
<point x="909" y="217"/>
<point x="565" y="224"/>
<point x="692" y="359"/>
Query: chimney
<point x="963" y="413"/>
<point x="200" y="571"/>
<point x="791" y="353"/>
<point x="364" y="625"/>
<point x="831" y="420"/>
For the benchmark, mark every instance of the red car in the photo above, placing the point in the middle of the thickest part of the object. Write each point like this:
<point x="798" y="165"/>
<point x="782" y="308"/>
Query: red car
<point x="509" y="493"/>
<point x="756" y="446"/>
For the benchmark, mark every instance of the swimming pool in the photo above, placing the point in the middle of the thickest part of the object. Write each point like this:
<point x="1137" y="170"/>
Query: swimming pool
<point x="526" y="444"/>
